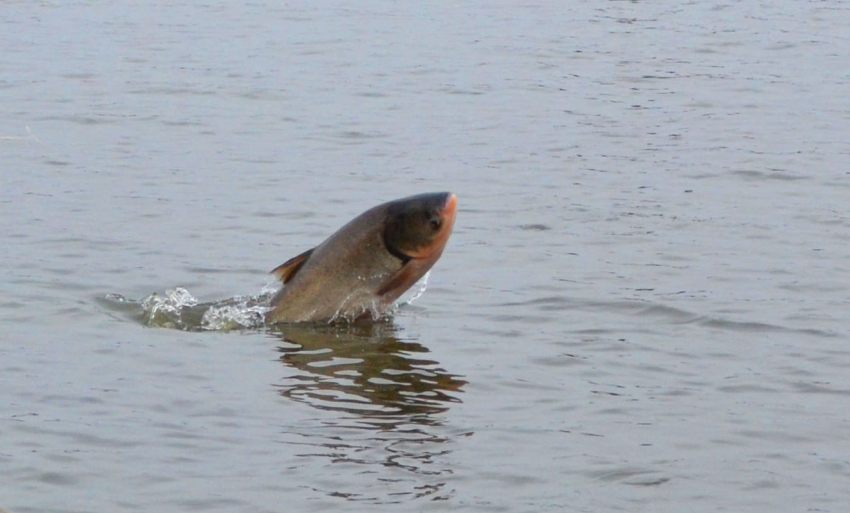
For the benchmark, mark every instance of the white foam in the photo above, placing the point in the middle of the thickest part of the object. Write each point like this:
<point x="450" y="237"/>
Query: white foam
<point x="229" y="317"/>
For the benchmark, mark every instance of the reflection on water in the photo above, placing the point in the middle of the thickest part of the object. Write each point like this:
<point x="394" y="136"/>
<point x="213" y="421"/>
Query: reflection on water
<point x="380" y="436"/>
<point x="388" y="399"/>
<point x="364" y="368"/>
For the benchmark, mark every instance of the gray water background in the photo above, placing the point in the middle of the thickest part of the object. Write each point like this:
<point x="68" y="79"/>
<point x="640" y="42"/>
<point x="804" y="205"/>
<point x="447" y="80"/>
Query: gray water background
<point x="644" y="306"/>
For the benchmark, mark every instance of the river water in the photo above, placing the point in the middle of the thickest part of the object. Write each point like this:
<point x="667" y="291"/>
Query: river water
<point x="645" y="305"/>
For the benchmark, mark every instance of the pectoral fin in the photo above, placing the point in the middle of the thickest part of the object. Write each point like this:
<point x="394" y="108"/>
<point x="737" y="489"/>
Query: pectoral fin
<point x="404" y="278"/>
<point x="287" y="270"/>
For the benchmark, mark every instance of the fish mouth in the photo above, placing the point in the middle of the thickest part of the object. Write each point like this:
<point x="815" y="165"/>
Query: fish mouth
<point x="447" y="217"/>
<point x="450" y="208"/>
<point x="449" y="211"/>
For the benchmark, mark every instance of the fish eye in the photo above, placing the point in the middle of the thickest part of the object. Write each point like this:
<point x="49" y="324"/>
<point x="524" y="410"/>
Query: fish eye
<point x="436" y="223"/>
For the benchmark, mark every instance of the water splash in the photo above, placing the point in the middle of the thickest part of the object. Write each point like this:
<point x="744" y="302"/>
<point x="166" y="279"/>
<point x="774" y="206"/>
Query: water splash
<point x="415" y="291"/>
<point x="167" y="311"/>
<point x="378" y="312"/>
<point x="236" y="316"/>
<point x="178" y="309"/>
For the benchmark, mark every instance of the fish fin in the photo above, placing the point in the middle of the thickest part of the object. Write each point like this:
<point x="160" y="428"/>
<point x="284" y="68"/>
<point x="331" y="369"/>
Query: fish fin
<point x="403" y="279"/>
<point x="287" y="270"/>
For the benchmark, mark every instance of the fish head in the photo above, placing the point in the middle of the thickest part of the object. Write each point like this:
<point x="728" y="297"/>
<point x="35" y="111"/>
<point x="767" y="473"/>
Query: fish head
<point x="418" y="227"/>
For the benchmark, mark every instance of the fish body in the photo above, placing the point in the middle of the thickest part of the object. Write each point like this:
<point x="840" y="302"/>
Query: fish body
<point x="368" y="263"/>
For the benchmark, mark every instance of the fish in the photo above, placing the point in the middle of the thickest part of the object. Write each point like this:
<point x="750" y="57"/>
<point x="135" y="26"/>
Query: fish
<point x="367" y="264"/>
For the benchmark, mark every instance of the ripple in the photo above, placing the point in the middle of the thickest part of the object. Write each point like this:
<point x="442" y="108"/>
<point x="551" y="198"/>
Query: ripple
<point x="388" y="399"/>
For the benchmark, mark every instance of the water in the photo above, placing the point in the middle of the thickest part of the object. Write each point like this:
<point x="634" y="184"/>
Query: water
<point x="644" y="305"/>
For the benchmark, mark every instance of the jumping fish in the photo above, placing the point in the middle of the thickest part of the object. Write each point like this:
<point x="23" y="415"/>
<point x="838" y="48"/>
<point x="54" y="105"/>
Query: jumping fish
<point x="368" y="263"/>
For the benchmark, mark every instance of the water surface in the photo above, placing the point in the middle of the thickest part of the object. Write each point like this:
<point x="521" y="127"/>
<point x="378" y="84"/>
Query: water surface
<point x="644" y="304"/>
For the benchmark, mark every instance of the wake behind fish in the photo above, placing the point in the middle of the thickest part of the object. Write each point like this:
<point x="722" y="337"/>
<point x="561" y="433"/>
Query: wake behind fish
<point x="177" y="308"/>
